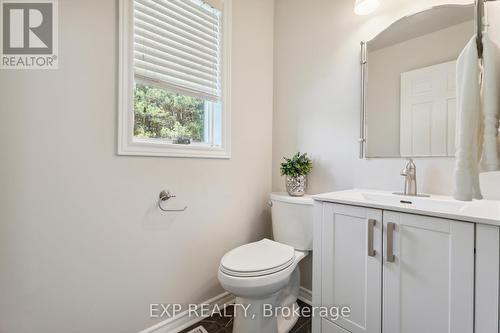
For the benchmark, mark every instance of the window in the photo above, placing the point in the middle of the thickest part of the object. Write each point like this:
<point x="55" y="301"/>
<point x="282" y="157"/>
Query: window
<point x="174" y="76"/>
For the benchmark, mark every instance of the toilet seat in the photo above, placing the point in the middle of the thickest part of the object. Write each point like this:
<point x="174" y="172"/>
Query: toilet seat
<point x="257" y="259"/>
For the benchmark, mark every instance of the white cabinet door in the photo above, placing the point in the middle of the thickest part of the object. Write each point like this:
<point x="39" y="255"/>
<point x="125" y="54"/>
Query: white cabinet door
<point x="329" y="327"/>
<point x="351" y="265"/>
<point x="428" y="286"/>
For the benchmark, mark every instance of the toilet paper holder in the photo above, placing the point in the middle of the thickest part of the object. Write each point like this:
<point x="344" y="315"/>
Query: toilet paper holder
<point x="165" y="196"/>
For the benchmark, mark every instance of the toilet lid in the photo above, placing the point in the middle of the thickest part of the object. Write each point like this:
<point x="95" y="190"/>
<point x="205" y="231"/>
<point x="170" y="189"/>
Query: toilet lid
<point x="259" y="258"/>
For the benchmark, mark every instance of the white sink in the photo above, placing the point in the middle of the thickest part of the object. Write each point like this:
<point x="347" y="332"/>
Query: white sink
<point x="479" y="211"/>
<point x="427" y="203"/>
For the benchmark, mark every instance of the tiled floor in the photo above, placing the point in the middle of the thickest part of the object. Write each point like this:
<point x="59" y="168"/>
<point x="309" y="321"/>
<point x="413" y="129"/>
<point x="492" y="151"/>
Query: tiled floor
<point x="220" y="324"/>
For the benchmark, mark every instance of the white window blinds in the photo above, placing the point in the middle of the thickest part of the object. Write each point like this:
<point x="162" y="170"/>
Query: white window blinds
<point x="178" y="45"/>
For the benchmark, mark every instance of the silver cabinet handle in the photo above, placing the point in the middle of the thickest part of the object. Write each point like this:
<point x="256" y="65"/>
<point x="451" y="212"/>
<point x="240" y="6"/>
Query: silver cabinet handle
<point x="390" y="242"/>
<point x="371" y="226"/>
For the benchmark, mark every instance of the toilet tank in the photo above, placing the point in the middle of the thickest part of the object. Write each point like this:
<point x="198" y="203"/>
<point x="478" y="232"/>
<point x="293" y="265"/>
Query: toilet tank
<point x="292" y="220"/>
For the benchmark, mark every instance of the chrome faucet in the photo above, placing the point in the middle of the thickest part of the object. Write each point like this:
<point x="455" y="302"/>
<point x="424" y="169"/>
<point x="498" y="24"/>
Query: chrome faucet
<point x="410" y="174"/>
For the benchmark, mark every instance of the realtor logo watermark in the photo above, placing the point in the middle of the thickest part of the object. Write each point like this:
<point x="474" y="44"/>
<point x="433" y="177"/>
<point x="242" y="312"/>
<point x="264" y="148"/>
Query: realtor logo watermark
<point x="28" y="35"/>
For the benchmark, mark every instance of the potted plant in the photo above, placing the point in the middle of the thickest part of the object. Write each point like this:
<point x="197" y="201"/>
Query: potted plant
<point x="296" y="170"/>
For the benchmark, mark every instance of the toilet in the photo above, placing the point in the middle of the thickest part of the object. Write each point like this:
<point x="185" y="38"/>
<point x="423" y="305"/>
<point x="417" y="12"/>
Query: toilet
<point x="264" y="276"/>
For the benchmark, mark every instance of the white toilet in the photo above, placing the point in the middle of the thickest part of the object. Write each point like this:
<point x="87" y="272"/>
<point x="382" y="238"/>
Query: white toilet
<point x="266" y="273"/>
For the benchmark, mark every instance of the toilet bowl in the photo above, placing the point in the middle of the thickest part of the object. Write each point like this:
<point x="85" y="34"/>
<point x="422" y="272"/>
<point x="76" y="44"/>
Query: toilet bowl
<point x="264" y="276"/>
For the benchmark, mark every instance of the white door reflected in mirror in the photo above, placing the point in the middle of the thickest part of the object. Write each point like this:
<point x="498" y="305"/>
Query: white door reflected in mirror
<point x="428" y="108"/>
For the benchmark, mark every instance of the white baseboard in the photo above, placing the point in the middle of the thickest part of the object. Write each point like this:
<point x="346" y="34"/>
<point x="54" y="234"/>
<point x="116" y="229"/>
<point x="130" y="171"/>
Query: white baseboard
<point x="183" y="320"/>
<point x="305" y="295"/>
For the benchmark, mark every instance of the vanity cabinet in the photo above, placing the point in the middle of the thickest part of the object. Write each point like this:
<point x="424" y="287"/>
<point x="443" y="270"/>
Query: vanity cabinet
<point x="398" y="272"/>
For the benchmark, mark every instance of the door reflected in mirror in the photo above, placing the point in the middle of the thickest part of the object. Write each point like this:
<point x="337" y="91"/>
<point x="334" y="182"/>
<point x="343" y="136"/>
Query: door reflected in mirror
<point x="410" y="83"/>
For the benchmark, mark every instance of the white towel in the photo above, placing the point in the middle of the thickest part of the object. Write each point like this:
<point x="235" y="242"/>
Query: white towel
<point x="469" y="125"/>
<point x="490" y="160"/>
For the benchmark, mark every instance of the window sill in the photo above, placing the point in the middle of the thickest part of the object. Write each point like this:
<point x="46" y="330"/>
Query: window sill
<point x="138" y="148"/>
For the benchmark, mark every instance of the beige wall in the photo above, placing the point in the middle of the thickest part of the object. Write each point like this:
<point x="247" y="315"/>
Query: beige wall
<point x="317" y="89"/>
<point x="384" y="80"/>
<point x="82" y="246"/>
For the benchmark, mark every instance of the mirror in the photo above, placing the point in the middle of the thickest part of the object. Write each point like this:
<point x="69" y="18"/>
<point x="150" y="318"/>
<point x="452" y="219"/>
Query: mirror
<point x="409" y="84"/>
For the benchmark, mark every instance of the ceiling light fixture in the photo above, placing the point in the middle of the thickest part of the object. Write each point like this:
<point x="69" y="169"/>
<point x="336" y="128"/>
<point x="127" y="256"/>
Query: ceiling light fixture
<point x="365" y="7"/>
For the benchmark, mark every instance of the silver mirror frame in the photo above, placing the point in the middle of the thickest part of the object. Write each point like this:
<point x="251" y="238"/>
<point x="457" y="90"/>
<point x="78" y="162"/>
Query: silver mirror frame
<point x="364" y="86"/>
<point x="478" y="17"/>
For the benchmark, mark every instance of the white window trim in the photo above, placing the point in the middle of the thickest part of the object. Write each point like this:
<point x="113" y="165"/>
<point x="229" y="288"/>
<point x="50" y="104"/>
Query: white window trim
<point x="126" y="143"/>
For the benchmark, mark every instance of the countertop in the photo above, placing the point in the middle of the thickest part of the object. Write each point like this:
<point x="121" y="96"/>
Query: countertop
<point x="477" y="211"/>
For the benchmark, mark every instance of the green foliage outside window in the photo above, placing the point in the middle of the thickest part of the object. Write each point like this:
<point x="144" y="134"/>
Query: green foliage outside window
<point x="161" y="114"/>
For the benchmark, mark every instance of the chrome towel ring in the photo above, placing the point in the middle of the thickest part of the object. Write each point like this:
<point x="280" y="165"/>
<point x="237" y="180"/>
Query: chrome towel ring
<point x="165" y="196"/>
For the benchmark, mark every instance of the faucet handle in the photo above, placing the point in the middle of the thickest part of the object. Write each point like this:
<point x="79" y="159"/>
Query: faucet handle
<point x="409" y="167"/>
<point x="410" y="164"/>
